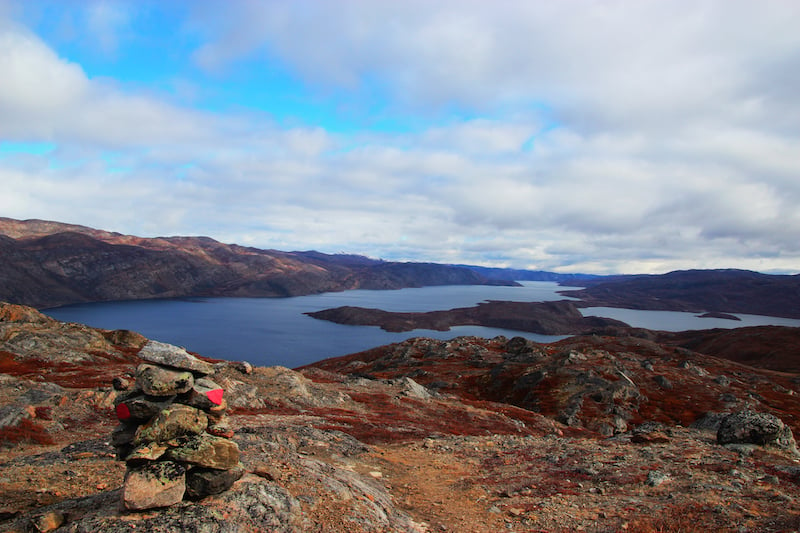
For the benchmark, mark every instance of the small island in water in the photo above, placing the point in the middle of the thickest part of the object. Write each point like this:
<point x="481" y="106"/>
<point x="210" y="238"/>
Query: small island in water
<point x="543" y="318"/>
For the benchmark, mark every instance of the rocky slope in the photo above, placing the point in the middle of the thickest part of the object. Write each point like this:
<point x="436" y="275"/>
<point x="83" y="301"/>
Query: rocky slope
<point x="770" y="347"/>
<point x="47" y="264"/>
<point x="724" y="291"/>
<point x="474" y="435"/>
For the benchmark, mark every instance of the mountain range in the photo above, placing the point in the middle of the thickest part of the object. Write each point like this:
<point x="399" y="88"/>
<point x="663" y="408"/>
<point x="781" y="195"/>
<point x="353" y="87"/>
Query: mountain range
<point x="611" y="429"/>
<point x="48" y="264"/>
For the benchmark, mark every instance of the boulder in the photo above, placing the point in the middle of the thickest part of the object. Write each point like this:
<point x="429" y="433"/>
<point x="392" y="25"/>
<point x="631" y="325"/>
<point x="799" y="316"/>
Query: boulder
<point x="173" y="422"/>
<point x="49" y="521"/>
<point x="162" y="382"/>
<point x="139" y="407"/>
<point x="412" y="389"/>
<point x="205" y="450"/>
<point x="173" y="356"/>
<point x="202" y="482"/>
<point x="155" y="484"/>
<point x="750" y="427"/>
<point x="204" y="394"/>
<point x="146" y="452"/>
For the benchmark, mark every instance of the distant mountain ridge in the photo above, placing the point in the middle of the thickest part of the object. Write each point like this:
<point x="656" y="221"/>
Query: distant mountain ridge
<point x="721" y="291"/>
<point x="47" y="264"/>
<point x="534" y="275"/>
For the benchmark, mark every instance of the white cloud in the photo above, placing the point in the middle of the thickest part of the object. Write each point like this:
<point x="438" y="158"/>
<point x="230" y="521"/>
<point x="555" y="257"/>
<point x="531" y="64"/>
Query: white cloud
<point x="594" y="136"/>
<point x="36" y="82"/>
<point x="596" y="63"/>
<point x="106" y="20"/>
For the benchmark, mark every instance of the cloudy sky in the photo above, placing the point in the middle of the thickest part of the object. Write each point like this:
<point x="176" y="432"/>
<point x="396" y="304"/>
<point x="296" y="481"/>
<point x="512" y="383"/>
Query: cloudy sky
<point x="574" y="136"/>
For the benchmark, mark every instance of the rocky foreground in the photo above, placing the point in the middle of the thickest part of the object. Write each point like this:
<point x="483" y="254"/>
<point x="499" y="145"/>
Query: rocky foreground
<point x="594" y="433"/>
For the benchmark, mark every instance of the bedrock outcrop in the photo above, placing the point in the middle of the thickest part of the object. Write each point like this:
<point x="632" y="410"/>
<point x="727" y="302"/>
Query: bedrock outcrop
<point x="545" y="318"/>
<point x="422" y="436"/>
<point x="715" y="291"/>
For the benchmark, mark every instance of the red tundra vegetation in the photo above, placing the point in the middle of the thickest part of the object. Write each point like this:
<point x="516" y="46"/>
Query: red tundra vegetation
<point x="593" y="433"/>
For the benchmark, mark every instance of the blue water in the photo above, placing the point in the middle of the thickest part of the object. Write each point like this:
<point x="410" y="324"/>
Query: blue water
<point x="274" y="331"/>
<point x="679" y="321"/>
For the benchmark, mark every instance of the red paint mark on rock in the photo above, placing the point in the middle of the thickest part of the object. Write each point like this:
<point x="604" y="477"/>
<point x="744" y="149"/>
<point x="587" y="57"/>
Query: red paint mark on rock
<point x="123" y="413"/>
<point x="215" y="396"/>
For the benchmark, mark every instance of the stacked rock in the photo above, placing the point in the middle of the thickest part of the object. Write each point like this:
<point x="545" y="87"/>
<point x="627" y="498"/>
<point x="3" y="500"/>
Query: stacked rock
<point x="173" y="433"/>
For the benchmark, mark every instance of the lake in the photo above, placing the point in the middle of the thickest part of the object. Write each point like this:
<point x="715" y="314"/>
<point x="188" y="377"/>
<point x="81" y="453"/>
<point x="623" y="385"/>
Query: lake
<point x="274" y="331"/>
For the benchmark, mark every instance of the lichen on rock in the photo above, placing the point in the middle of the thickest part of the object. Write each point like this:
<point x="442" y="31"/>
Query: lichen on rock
<point x="750" y="427"/>
<point x="173" y="420"/>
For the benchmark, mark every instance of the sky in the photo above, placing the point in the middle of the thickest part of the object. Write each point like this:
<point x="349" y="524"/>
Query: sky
<point x="636" y="136"/>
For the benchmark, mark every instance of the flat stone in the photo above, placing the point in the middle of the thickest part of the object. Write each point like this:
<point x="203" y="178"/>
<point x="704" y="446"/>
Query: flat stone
<point x="155" y="484"/>
<point x="173" y="356"/>
<point x="49" y="521"/>
<point x="219" y="410"/>
<point x="140" y="407"/>
<point x="205" y="394"/>
<point x="205" y="450"/>
<point x="241" y="366"/>
<point x="651" y="437"/>
<point x="219" y="426"/>
<point x="202" y="482"/>
<point x="173" y="422"/>
<point x="146" y="452"/>
<point x="158" y="381"/>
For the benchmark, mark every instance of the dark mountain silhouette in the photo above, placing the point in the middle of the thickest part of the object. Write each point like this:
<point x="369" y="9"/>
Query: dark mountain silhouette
<point x="534" y="275"/>
<point x="48" y="264"/>
<point x="723" y="291"/>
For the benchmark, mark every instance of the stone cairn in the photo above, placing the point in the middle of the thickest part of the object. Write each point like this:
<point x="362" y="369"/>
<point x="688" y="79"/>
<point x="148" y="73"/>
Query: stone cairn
<point x="173" y="433"/>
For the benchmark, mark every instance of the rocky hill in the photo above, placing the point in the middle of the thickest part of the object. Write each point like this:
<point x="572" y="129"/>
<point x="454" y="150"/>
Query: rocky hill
<point x="46" y="264"/>
<point x="721" y="291"/>
<point x="544" y="318"/>
<point x="595" y="433"/>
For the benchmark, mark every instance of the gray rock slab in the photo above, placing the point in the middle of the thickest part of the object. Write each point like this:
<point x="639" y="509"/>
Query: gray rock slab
<point x="123" y="434"/>
<point x="205" y="394"/>
<point x="146" y="452"/>
<point x="138" y="407"/>
<point x="175" y="421"/>
<point x="166" y="354"/>
<point x="163" y="382"/>
<point x="202" y="482"/>
<point x="207" y="451"/>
